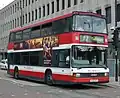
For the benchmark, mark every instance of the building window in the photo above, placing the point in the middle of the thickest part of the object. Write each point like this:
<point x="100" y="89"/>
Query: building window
<point x="108" y="14"/>
<point x="69" y="3"/>
<point x="23" y="3"/>
<point x="48" y="7"/>
<point x="99" y="11"/>
<point x="43" y="10"/>
<point x="15" y="7"/>
<point x="29" y="16"/>
<point x="13" y="23"/>
<point x="81" y="1"/>
<point x="29" y="2"/>
<point x="32" y="15"/>
<point x="75" y="2"/>
<point x="10" y="24"/>
<point x="35" y="14"/>
<point x="32" y="1"/>
<point x="10" y="10"/>
<point x="23" y="20"/>
<point x="53" y="7"/>
<point x="20" y="3"/>
<point x="63" y="4"/>
<point x="57" y="5"/>
<point x="39" y="12"/>
<point x="26" y="2"/>
<point x="118" y="13"/>
<point x="17" y="21"/>
<point x="26" y="18"/>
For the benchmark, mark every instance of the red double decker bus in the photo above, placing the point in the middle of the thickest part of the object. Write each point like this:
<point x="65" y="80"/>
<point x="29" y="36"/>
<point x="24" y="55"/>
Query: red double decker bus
<point x="71" y="48"/>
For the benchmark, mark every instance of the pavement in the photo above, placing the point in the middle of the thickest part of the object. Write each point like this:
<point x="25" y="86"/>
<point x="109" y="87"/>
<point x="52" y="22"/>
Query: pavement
<point x="113" y="83"/>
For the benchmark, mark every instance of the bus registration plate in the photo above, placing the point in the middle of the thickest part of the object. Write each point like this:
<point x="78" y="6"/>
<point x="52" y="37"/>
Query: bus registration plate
<point x="94" y="80"/>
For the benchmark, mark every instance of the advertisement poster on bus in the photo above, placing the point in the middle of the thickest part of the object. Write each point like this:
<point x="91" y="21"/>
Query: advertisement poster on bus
<point x="47" y="43"/>
<point x="50" y="41"/>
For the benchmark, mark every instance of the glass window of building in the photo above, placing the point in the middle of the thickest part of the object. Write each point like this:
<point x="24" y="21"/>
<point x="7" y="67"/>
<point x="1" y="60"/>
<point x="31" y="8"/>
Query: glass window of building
<point x="40" y="12"/>
<point x="108" y="14"/>
<point x="57" y="5"/>
<point x="26" y="18"/>
<point x="26" y="2"/>
<point x="32" y="1"/>
<point x="29" y="2"/>
<point x="48" y="7"/>
<point x="29" y="16"/>
<point x="32" y="15"/>
<point x="23" y="3"/>
<point x="69" y="3"/>
<point x="118" y="12"/>
<point x="63" y="4"/>
<point x="52" y="7"/>
<point x="75" y="2"/>
<point x="43" y="10"/>
<point x="23" y="20"/>
<point x="35" y="14"/>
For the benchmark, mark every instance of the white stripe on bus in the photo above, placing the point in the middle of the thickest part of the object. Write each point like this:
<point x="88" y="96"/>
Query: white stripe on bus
<point x="58" y="70"/>
<point x="65" y="46"/>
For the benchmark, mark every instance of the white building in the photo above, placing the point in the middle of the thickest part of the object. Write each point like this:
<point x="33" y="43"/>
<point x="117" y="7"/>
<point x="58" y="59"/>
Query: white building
<point x="38" y="10"/>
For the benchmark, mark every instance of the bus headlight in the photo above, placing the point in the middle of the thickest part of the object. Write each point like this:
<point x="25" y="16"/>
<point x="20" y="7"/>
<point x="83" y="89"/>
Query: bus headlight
<point x="106" y="74"/>
<point x="77" y="75"/>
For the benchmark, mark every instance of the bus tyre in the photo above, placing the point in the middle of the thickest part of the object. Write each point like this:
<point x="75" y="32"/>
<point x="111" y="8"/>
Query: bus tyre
<point x="16" y="73"/>
<point x="48" y="78"/>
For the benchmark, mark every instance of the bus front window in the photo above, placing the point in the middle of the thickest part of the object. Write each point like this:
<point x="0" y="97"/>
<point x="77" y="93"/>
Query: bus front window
<point x="89" y="24"/>
<point x="85" y="56"/>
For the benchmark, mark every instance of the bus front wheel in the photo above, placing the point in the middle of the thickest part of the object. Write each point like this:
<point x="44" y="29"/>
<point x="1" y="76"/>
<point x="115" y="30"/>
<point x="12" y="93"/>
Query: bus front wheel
<point x="48" y="78"/>
<point x="16" y="73"/>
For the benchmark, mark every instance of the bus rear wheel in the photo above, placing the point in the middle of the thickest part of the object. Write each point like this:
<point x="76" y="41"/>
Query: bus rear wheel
<point x="48" y="78"/>
<point x="16" y="73"/>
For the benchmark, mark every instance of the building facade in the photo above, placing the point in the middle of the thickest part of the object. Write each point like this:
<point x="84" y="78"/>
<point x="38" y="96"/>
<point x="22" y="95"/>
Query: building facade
<point x="24" y="12"/>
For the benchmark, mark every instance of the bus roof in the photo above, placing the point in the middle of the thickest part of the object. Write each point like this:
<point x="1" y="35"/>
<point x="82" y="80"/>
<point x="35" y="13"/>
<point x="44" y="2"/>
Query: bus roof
<point x="54" y="19"/>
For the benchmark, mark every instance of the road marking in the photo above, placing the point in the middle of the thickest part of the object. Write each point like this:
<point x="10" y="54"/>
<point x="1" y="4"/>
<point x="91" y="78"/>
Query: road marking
<point x="12" y="95"/>
<point x="38" y="93"/>
<point x="49" y="91"/>
<point x="21" y="83"/>
<point x="26" y="94"/>
<point x="60" y="91"/>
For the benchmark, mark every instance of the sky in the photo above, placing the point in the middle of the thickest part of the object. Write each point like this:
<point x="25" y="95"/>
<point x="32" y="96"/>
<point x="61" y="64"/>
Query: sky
<point x="3" y="3"/>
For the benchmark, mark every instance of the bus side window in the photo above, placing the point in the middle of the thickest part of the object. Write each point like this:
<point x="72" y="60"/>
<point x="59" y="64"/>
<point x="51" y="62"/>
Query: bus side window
<point x="25" y="58"/>
<point x="55" y="58"/>
<point x="10" y="58"/>
<point x="60" y="26"/>
<point x="41" y="63"/>
<point x="17" y="58"/>
<point x="64" y="58"/>
<point x="12" y="37"/>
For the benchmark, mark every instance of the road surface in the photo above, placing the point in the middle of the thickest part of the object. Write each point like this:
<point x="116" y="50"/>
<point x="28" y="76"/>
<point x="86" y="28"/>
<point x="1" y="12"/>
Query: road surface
<point x="11" y="88"/>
